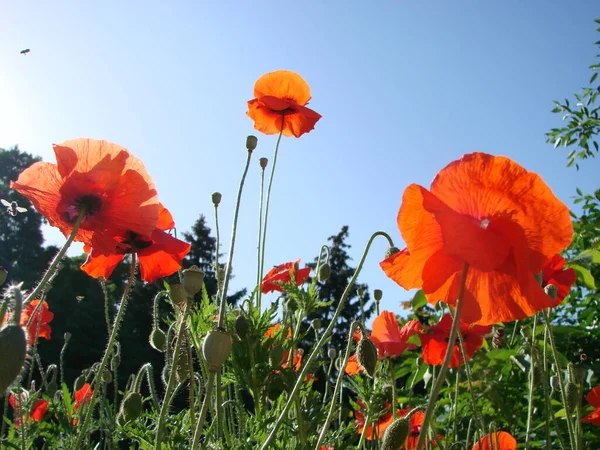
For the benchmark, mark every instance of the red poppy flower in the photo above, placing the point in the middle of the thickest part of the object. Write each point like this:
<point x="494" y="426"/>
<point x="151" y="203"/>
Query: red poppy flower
<point x="44" y="316"/>
<point x="435" y="342"/>
<point x="160" y="254"/>
<point x="416" y="422"/>
<point x="280" y="100"/>
<point x="554" y="272"/>
<point x="38" y="410"/>
<point x="500" y="440"/>
<point x="272" y="331"/>
<point x="296" y="360"/>
<point x="490" y="213"/>
<point x="376" y="428"/>
<point x="83" y="395"/>
<point x="282" y="274"/>
<point x="104" y="178"/>
<point x="593" y="398"/>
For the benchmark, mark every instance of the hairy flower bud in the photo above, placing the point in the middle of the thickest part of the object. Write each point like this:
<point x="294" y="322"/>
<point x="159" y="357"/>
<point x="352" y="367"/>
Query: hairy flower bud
<point x="316" y="324"/>
<point x="525" y="332"/>
<point x="377" y="294"/>
<point x="395" y="435"/>
<point x="251" y="142"/>
<point x="572" y="396"/>
<point x="79" y="382"/>
<point x="323" y="273"/>
<point x="13" y="348"/>
<point x="216" y="348"/>
<point x="263" y="162"/>
<point x="107" y="376"/>
<point x="193" y="278"/>
<point x="552" y="291"/>
<point x="216" y="198"/>
<point x="67" y="337"/>
<point x="131" y="407"/>
<point x="178" y="295"/>
<point x="276" y="356"/>
<point x="366" y="355"/>
<point x="242" y="326"/>
<point x="158" y="340"/>
<point x="331" y="352"/>
<point x="51" y="389"/>
<point x="391" y="251"/>
<point x="554" y="382"/>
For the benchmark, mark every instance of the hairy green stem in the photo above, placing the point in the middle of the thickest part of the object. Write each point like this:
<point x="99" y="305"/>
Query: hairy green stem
<point x="107" y="354"/>
<point x="532" y="368"/>
<point x="203" y="411"/>
<point x="260" y="216"/>
<point x="316" y="350"/>
<point x="442" y="375"/>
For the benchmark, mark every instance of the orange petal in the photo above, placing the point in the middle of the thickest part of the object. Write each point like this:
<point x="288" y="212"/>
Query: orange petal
<point x="165" y="219"/>
<point x="500" y="440"/>
<point x="387" y="336"/>
<point x="284" y="84"/>
<point x="593" y="397"/>
<point x="163" y="257"/>
<point x="100" y="265"/>
<point x="352" y="366"/>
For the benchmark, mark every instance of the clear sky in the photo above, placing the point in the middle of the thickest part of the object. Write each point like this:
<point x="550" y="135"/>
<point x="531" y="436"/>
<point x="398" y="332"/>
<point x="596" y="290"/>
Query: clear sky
<point x="404" y="87"/>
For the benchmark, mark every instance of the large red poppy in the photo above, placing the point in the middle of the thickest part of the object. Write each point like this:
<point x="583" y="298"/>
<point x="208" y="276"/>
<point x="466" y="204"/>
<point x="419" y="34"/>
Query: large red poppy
<point x="490" y="213"/>
<point x="160" y="254"/>
<point x="593" y="398"/>
<point x="282" y="274"/>
<point x="280" y="100"/>
<point x="38" y="410"/>
<point x="376" y="428"/>
<point x="435" y="342"/>
<point x="500" y="440"/>
<point x="104" y="178"/>
<point x="555" y="273"/>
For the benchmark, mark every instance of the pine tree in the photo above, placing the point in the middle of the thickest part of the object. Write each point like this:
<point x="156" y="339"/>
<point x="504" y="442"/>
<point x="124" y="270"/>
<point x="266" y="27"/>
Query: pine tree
<point x="333" y="288"/>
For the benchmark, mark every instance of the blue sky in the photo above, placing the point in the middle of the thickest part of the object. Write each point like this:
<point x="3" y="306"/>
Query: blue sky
<point x="404" y="87"/>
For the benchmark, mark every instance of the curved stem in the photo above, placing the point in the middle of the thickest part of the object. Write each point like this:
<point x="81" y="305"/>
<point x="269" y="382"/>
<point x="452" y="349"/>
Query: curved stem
<point x="164" y="409"/>
<point x="316" y="350"/>
<point x="232" y="244"/>
<point x="264" y="233"/>
<point x="531" y="383"/>
<point x="203" y="411"/>
<point x="442" y="375"/>
<point x="57" y="259"/>
<point x="107" y="354"/>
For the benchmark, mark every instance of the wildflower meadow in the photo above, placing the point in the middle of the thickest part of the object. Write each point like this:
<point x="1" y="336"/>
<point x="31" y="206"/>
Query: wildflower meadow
<point x="497" y="346"/>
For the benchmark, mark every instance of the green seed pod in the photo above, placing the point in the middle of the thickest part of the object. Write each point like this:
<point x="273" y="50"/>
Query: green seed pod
<point x="107" y="376"/>
<point x="216" y="198"/>
<point x="79" y="382"/>
<point x="216" y="348"/>
<point x="251" y="142"/>
<point x="263" y="162"/>
<point x="242" y="326"/>
<point x="395" y="435"/>
<point x="324" y="273"/>
<point x="391" y="251"/>
<point x="572" y="396"/>
<point x="552" y="291"/>
<point x="276" y="356"/>
<point x="158" y="340"/>
<point x="131" y="406"/>
<point x="377" y="294"/>
<point x="316" y="324"/>
<point x="178" y="295"/>
<point x="13" y="348"/>
<point x="366" y="355"/>
<point x="193" y="278"/>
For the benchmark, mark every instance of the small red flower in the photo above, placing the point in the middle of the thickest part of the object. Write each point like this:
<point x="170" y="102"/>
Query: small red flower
<point x="500" y="440"/>
<point x="160" y="254"/>
<point x="554" y="272"/>
<point x="273" y="330"/>
<point x="375" y="429"/>
<point x="435" y="342"/>
<point x="38" y="410"/>
<point x="83" y="395"/>
<point x="43" y="317"/>
<point x="282" y="274"/>
<point x="416" y="422"/>
<point x="593" y="398"/>
<point x="296" y="360"/>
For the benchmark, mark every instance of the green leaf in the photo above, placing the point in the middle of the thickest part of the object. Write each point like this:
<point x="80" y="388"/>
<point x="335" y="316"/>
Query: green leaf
<point x="419" y="300"/>
<point x="594" y="254"/>
<point x="584" y="276"/>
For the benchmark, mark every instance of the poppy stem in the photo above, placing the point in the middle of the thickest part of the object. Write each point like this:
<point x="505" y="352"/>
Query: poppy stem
<point x="364" y="431"/>
<point x="393" y="380"/>
<point x="316" y="351"/>
<point x="260" y="225"/>
<point x="268" y="200"/>
<point x="203" y="411"/>
<point x="223" y="299"/>
<point x="57" y="259"/>
<point x="532" y="367"/>
<point x="442" y="375"/>
<point x="107" y="354"/>
<point x="549" y="410"/>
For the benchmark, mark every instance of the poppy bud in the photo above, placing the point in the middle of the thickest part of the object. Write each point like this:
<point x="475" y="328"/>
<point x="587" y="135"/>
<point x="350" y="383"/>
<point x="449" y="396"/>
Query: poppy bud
<point x="291" y="304"/>
<point x="275" y="388"/>
<point x="131" y="407"/>
<point x="178" y="295"/>
<point x="263" y="162"/>
<point x="115" y="362"/>
<point x="13" y="348"/>
<point x="554" y="382"/>
<point x="323" y="273"/>
<point x="107" y="376"/>
<point x="51" y="389"/>
<point x="366" y="355"/>
<point x="79" y="382"/>
<point x="216" y="348"/>
<point x="158" y="340"/>
<point x="216" y="198"/>
<point x="193" y="278"/>
<point x="551" y="291"/>
<point x="276" y="356"/>
<point x="3" y="275"/>
<point x="251" y="142"/>
<point x="242" y="326"/>
<point x="377" y="294"/>
<point x="572" y="396"/>
<point x="331" y="352"/>
<point x="395" y="435"/>
<point x="316" y="324"/>
<point x="391" y="251"/>
<point x="525" y="332"/>
<point x="67" y="337"/>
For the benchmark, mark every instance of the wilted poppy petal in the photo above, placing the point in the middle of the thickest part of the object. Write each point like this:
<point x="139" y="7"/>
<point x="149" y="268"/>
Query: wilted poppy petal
<point x="163" y="257"/>
<point x="500" y="440"/>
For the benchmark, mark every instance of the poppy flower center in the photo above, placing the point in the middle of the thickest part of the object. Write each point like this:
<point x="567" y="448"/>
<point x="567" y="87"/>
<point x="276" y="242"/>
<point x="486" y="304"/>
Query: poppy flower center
<point x="89" y="202"/>
<point x="484" y="223"/>
<point x="135" y="242"/>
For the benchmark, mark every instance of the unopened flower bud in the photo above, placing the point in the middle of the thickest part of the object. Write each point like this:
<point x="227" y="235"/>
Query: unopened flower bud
<point x="554" y="382"/>
<point x="360" y="291"/>
<point x="178" y="295"/>
<point x="525" y="332"/>
<point x="276" y="356"/>
<point x="131" y="407"/>
<point x="158" y="340"/>
<point x="51" y="389"/>
<point x="291" y="304"/>
<point x="216" y="348"/>
<point x="391" y="251"/>
<point x="107" y="376"/>
<point x="551" y="291"/>
<point x="251" y="142"/>
<point x="263" y="162"/>
<point x="316" y="324"/>
<point x="79" y="382"/>
<point x="331" y="352"/>
<point x="323" y="273"/>
<point x="3" y="275"/>
<point x="395" y="435"/>
<point x="193" y="278"/>
<point x="572" y="396"/>
<point x="13" y="348"/>
<point x="366" y="355"/>
<point x="115" y="362"/>
<point x="216" y="198"/>
<point x="377" y="294"/>
<point x="242" y="326"/>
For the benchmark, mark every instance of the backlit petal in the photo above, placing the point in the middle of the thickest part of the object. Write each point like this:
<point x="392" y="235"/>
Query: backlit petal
<point x="101" y="265"/>
<point x="163" y="257"/>
<point x="500" y="440"/>
<point x="284" y="84"/>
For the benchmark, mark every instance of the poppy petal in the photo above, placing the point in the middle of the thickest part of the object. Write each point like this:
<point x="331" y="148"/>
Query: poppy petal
<point x="500" y="440"/>
<point x="593" y="397"/>
<point x="284" y="84"/>
<point x="163" y="257"/>
<point x="165" y="219"/>
<point x="352" y="366"/>
<point x="99" y="265"/>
